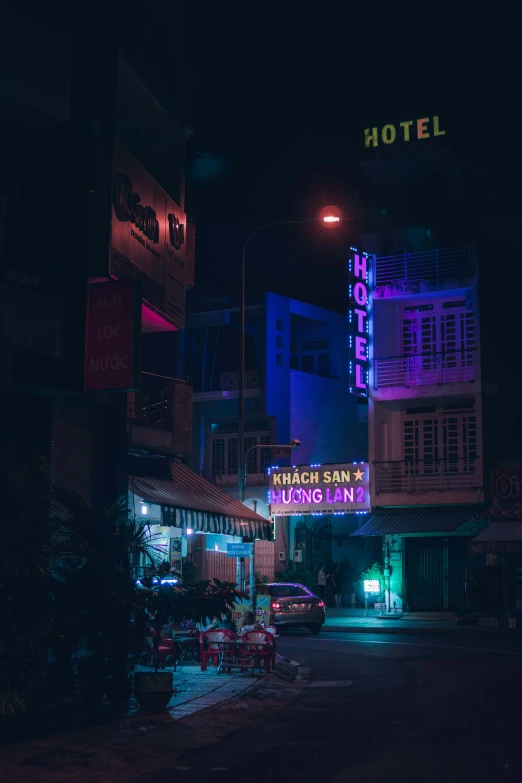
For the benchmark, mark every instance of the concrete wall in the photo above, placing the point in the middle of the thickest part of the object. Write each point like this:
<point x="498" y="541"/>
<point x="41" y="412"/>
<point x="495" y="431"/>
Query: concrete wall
<point x="276" y="390"/>
<point x="324" y="418"/>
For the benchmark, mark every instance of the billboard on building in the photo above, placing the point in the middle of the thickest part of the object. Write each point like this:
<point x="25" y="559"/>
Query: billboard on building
<point x="320" y="489"/>
<point x="148" y="233"/>
<point x="359" y="317"/>
<point x="112" y="336"/>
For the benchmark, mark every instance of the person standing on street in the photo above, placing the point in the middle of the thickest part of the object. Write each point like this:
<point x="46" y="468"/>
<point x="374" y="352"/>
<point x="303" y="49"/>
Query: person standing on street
<point x="321" y="583"/>
<point x="336" y="586"/>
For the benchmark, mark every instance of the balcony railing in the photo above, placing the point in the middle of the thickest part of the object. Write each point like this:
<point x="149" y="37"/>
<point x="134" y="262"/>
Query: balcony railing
<point x="429" y="265"/>
<point x="425" y="368"/>
<point x="153" y="406"/>
<point x="163" y="406"/>
<point x="437" y="475"/>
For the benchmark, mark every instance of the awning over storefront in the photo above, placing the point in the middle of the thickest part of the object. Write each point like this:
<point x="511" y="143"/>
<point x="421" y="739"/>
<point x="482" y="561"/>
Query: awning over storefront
<point x="500" y="537"/>
<point x="404" y="521"/>
<point x="189" y="500"/>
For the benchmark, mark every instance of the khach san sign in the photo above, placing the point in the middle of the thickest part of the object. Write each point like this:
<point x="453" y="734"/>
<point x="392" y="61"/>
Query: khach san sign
<point x="320" y="489"/>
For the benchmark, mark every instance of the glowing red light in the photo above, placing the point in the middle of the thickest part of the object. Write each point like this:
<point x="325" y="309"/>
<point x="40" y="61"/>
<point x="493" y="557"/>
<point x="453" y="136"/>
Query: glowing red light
<point x="276" y="606"/>
<point x="330" y="215"/>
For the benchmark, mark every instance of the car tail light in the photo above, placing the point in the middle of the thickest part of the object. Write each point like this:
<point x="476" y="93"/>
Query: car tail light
<point x="321" y="603"/>
<point x="275" y="605"/>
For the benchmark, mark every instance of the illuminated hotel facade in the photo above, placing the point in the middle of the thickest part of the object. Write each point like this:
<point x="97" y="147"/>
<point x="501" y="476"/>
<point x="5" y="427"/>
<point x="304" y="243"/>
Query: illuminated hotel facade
<point x="425" y="424"/>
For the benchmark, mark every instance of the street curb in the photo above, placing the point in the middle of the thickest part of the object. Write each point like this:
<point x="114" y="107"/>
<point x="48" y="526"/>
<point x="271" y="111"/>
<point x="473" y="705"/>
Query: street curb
<point x="288" y="670"/>
<point x="396" y="629"/>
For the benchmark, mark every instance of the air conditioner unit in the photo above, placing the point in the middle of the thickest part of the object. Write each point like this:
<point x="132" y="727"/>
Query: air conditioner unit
<point x="298" y="555"/>
<point x="282" y="555"/>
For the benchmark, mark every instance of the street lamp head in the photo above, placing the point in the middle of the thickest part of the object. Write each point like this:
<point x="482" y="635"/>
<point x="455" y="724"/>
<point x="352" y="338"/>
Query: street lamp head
<point x="295" y="443"/>
<point x="331" y="216"/>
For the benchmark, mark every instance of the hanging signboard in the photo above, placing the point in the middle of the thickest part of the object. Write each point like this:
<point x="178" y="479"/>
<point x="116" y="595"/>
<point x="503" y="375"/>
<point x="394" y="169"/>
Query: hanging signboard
<point x="148" y="234"/>
<point x="112" y="336"/>
<point x="324" y="489"/>
<point x="359" y="315"/>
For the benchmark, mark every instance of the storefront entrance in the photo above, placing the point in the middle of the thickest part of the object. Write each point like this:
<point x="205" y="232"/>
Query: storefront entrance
<point x="435" y="569"/>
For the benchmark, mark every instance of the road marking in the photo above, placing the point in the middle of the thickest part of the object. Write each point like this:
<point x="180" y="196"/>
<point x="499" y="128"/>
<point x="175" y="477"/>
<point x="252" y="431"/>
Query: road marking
<point x="330" y="684"/>
<point x="418" y="644"/>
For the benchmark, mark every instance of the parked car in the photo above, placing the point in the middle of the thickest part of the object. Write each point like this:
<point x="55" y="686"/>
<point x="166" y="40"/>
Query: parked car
<point x="293" y="606"/>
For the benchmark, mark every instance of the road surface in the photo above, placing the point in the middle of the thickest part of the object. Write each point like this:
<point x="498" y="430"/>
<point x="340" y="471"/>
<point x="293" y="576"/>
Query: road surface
<point x="383" y="708"/>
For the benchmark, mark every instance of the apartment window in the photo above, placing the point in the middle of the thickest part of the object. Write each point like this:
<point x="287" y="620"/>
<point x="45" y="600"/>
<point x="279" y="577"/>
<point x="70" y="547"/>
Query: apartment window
<point x="232" y="462"/>
<point x="447" y="441"/>
<point x="279" y="359"/>
<point x="449" y="330"/>
<point x="218" y="456"/>
<point x="294" y="362"/>
<point x="251" y="456"/>
<point x="308" y="363"/>
<point x="279" y="342"/>
<point x="314" y="345"/>
<point x="323" y="364"/>
<point x="279" y="324"/>
<point x="224" y="447"/>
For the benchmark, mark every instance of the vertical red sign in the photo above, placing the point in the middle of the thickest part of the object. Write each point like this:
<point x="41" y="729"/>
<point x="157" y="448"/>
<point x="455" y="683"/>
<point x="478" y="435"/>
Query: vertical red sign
<point x="112" y="327"/>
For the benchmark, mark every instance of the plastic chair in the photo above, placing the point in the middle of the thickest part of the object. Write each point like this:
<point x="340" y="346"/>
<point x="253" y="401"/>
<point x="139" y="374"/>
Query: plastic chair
<point x="171" y="647"/>
<point x="159" y="655"/>
<point x="212" y="651"/>
<point x="258" y="654"/>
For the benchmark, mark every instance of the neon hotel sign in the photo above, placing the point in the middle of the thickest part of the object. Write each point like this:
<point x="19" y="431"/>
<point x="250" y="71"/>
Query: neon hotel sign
<point x="359" y="321"/>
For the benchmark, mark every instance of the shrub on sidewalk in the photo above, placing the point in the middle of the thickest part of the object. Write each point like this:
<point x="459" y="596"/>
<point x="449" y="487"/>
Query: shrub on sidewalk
<point x="299" y="574"/>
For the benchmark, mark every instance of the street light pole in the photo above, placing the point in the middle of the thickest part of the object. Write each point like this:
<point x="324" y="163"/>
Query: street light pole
<point x="252" y="581"/>
<point x="329" y="217"/>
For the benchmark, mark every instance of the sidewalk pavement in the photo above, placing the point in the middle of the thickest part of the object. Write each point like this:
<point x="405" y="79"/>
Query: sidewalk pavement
<point x="113" y="747"/>
<point x="355" y="621"/>
<point x="197" y="690"/>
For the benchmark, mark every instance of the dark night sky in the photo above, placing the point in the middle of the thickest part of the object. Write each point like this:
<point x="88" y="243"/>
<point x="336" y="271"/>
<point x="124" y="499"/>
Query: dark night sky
<point x="282" y="98"/>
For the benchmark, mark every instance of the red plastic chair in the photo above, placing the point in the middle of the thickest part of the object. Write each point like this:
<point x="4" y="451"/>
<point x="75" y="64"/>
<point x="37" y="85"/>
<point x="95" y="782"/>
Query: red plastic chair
<point x="159" y="655"/>
<point x="212" y="651"/>
<point x="254" y="653"/>
<point x="171" y="647"/>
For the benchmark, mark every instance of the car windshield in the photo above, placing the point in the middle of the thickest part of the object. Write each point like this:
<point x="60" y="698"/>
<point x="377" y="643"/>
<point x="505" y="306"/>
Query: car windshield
<point x="284" y="591"/>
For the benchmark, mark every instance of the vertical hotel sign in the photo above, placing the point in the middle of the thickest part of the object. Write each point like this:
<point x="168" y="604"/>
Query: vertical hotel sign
<point x="359" y="270"/>
<point x="112" y="336"/>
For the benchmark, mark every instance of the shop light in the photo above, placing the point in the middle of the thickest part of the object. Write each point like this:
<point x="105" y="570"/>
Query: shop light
<point x="144" y="509"/>
<point x="372" y="586"/>
<point x="189" y="531"/>
<point x="216" y="547"/>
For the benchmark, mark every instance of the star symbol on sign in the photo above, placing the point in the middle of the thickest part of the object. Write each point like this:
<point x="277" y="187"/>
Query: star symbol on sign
<point x="358" y="474"/>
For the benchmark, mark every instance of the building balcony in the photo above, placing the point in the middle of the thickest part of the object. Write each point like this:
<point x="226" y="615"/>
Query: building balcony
<point x="159" y="415"/>
<point x="408" y="372"/>
<point x="411" y="268"/>
<point x="425" y="476"/>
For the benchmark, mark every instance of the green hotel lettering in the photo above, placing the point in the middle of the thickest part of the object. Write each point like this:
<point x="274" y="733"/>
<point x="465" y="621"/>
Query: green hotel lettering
<point x="420" y="129"/>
